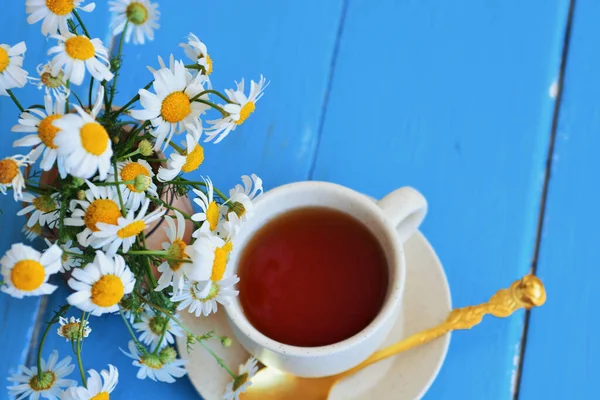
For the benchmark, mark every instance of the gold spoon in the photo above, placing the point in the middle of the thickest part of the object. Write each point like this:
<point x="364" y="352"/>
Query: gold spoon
<point x="271" y="384"/>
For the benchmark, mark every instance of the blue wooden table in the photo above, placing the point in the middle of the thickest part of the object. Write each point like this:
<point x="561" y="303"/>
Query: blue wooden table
<point x="490" y="108"/>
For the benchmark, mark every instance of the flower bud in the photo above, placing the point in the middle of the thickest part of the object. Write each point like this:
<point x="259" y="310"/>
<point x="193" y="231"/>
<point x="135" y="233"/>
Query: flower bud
<point x="145" y="148"/>
<point x="78" y="181"/>
<point x="167" y="355"/>
<point x="80" y="195"/>
<point x="225" y="341"/>
<point x="142" y="182"/>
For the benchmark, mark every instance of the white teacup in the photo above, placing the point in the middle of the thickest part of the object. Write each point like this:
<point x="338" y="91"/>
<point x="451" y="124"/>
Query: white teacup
<point x="392" y="220"/>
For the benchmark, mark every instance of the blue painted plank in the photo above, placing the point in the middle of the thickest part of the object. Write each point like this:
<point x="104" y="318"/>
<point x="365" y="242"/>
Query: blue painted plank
<point x="453" y="99"/>
<point x="277" y="142"/>
<point x="562" y="358"/>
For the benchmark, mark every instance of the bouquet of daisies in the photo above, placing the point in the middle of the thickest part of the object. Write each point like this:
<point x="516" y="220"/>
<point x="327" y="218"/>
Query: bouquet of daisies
<point x="98" y="179"/>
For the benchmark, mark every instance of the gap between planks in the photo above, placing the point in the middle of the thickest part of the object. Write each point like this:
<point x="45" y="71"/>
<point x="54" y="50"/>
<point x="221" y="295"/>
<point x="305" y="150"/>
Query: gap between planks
<point x="545" y="187"/>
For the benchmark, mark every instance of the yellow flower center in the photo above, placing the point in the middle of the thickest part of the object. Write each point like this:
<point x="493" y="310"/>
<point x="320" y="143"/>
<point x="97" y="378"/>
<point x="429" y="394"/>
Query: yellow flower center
<point x="129" y="173"/>
<point x="101" y="210"/>
<point x="176" y="250"/>
<point x="44" y="383"/>
<point x="79" y="48"/>
<point x="175" y="107"/>
<point x="137" y="13"/>
<point x="133" y="229"/>
<point x="44" y="204"/>
<point x="194" y="159"/>
<point x="245" y="112"/>
<point x="47" y="131"/>
<point x="221" y="255"/>
<point x="52" y="82"/>
<point x="27" y="275"/>
<point x="4" y="59"/>
<point x="60" y="7"/>
<point x="212" y="215"/>
<point x="101" y="396"/>
<point x="209" y="64"/>
<point x="94" y="138"/>
<point x="151" y="361"/>
<point x="107" y="291"/>
<point x="8" y="171"/>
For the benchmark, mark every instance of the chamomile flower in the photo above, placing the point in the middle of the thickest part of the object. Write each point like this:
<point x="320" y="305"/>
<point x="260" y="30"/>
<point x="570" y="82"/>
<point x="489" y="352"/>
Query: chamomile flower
<point x="41" y="124"/>
<point x="188" y="162"/>
<point x="84" y="143"/>
<point x="54" y="84"/>
<point x="242" y="197"/>
<point x="171" y="109"/>
<point x="11" y="175"/>
<point x="55" y="13"/>
<point x="49" y="386"/>
<point x="72" y="330"/>
<point x="25" y="271"/>
<point x="68" y="261"/>
<point x="210" y="216"/>
<point x="99" y="386"/>
<point x="209" y="254"/>
<point x="44" y="209"/>
<point x="201" y="299"/>
<point x="240" y="384"/>
<point x="172" y="270"/>
<point x="101" y="284"/>
<point x="142" y="16"/>
<point x="152" y="326"/>
<point x="134" y="193"/>
<point x="101" y="204"/>
<point x="162" y="367"/>
<point x="238" y="110"/>
<point x="111" y="237"/>
<point x="76" y="53"/>
<point x="11" y="74"/>
<point x="196" y="51"/>
<point x="33" y="232"/>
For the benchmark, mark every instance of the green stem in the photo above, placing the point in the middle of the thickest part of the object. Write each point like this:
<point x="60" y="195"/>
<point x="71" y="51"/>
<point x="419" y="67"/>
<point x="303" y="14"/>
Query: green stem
<point x="213" y="105"/>
<point x="61" y="220"/>
<point x="162" y="337"/>
<point x="195" y="184"/>
<point x="178" y="148"/>
<point x="78" y="100"/>
<point x="34" y="189"/>
<point x="90" y="92"/>
<point x="78" y="348"/>
<point x="129" y="329"/>
<point x="81" y="24"/>
<point x="113" y="87"/>
<point x="119" y="189"/>
<point x="133" y="153"/>
<point x="135" y="98"/>
<point x="57" y="315"/>
<point x="153" y="281"/>
<point x="170" y="207"/>
<point x="217" y="358"/>
<point x="14" y="99"/>
<point x="210" y="91"/>
<point x="146" y="253"/>
<point x="67" y="85"/>
<point x="118" y="183"/>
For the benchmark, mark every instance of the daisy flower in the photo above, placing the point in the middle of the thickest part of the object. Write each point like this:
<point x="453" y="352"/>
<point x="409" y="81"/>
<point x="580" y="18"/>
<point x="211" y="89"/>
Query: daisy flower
<point x="41" y="123"/>
<point x="111" y="237"/>
<point x="171" y="270"/>
<point x="142" y="16"/>
<point x="44" y="210"/>
<point x="196" y="51"/>
<point x="134" y="193"/>
<point x="51" y="383"/>
<point x="25" y="271"/>
<point x="76" y="53"/>
<point x="242" y="197"/>
<point x="99" y="386"/>
<point x="33" y="232"/>
<point x="101" y="284"/>
<point x="211" y="214"/>
<point x="55" y="13"/>
<point x="238" y="110"/>
<point x="162" y="367"/>
<point x="84" y="143"/>
<point x="171" y="110"/>
<point x="201" y="299"/>
<point x="188" y="162"/>
<point x="54" y="84"/>
<point x="101" y="204"/>
<point x="72" y="330"/>
<point x="11" y="73"/>
<point x="240" y="384"/>
<point x="11" y="175"/>
<point x="152" y="326"/>
<point x="209" y="254"/>
<point x="68" y="261"/>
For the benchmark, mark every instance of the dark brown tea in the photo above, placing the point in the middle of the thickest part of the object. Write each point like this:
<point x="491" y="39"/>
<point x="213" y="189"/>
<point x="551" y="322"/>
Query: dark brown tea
<point x="312" y="277"/>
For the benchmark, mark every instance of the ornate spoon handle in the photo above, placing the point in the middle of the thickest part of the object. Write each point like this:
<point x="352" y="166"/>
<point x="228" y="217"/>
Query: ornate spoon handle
<point x="527" y="293"/>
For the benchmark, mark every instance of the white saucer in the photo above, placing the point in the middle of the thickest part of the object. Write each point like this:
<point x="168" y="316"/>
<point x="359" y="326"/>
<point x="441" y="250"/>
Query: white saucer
<point x="406" y="376"/>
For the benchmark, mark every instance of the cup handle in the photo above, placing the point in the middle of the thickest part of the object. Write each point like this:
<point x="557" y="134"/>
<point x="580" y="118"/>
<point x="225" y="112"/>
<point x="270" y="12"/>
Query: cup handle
<point x="405" y="208"/>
